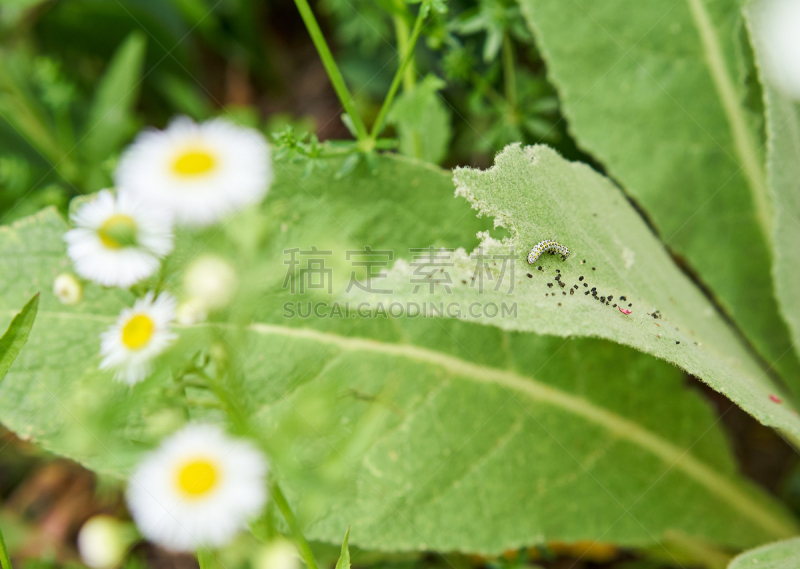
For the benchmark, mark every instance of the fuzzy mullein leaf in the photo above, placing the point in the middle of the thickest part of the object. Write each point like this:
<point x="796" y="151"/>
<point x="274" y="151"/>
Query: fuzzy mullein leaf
<point x="662" y="98"/>
<point x="781" y="555"/>
<point x="435" y="434"/>
<point x="783" y="178"/>
<point x="536" y="195"/>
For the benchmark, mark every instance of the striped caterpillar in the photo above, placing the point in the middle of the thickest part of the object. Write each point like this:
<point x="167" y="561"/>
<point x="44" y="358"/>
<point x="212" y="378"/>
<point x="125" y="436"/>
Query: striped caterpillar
<point x="545" y="246"/>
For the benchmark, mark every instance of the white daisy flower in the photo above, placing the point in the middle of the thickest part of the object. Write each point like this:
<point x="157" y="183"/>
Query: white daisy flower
<point x="117" y="241"/>
<point x="67" y="289"/>
<point x="197" y="489"/>
<point x="197" y="172"/>
<point x="139" y="335"/>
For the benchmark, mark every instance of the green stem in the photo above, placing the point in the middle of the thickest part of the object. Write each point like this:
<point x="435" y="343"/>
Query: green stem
<point x="297" y="532"/>
<point x="5" y="561"/>
<point x="508" y="71"/>
<point x="330" y="66"/>
<point x="402" y="32"/>
<point x="407" y="57"/>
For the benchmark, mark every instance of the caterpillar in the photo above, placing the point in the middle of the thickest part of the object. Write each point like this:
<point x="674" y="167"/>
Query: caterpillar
<point x="545" y="246"/>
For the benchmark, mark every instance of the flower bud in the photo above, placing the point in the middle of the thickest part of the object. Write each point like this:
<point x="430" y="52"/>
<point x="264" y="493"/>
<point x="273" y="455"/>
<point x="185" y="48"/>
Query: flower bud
<point x="67" y="289"/>
<point x="280" y="554"/>
<point x="103" y="541"/>
<point x="210" y="283"/>
<point x="187" y="314"/>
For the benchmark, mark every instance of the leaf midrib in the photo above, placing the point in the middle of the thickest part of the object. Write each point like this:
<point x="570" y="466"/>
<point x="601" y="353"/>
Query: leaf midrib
<point x="618" y="426"/>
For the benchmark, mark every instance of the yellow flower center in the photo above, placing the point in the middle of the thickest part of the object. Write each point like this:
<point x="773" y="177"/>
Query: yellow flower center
<point x="118" y="231"/>
<point x="137" y="331"/>
<point x="197" y="477"/>
<point x="194" y="162"/>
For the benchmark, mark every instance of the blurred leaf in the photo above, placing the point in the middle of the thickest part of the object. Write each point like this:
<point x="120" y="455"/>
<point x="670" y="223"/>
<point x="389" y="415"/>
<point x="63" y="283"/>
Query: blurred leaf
<point x="348" y="123"/>
<point x="111" y="120"/>
<point x="207" y="559"/>
<point x="17" y="334"/>
<point x="657" y="96"/>
<point x="781" y="555"/>
<point x="361" y="23"/>
<point x="422" y="121"/>
<point x="5" y="561"/>
<point x="349" y="165"/>
<point x="12" y="11"/>
<point x="783" y="177"/>
<point x="85" y="32"/>
<point x="37" y="198"/>
<point x="495" y="18"/>
<point x="185" y="97"/>
<point x="422" y="434"/>
<point x="344" y="558"/>
<point x="537" y="195"/>
<point x="19" y="107"/>
<point x="15" y="174"/>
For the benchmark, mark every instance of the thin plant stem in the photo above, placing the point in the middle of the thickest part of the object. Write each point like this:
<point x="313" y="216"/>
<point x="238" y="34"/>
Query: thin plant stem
<point x="402" y="33"/>
<point x="331" y="68"/>
<point x="5" y="560"/>
<point x="508" y="72"/>
<point x="406" y="59"/>
<point x="294" y="526"/>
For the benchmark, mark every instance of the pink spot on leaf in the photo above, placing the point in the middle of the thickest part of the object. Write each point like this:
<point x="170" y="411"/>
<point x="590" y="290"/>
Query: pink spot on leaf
<point x="625" y="310"/>
<point x="775" y="399"/>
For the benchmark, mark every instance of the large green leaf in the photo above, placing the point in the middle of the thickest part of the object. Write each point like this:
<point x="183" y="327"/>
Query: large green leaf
<point x="783" y="177"/>
<point x="450" y="435"/>
<point x="659" y="95"/>
<point x="781" y="555"/>
<point x="537" y="195"/>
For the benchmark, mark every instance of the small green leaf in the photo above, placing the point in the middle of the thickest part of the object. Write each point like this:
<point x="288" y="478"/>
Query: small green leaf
<point x="347" y="120"/>
<point x="781" y="555"/>
<point x="111" y="120"/>
<point x="17" y="334"/>
<point x="344" y="558"/>
<point x="348" y="165"/>
<point x="5" y="561"/>
<point x="422" y="121"/>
